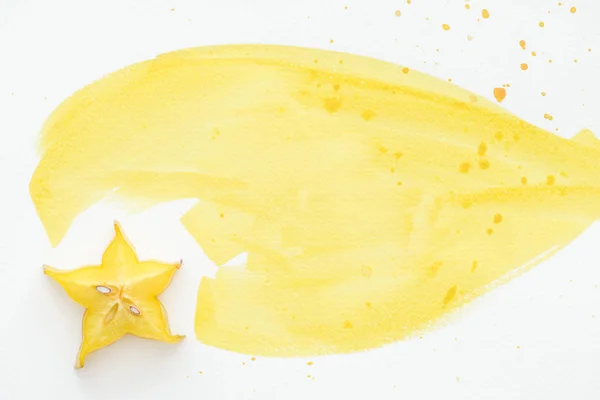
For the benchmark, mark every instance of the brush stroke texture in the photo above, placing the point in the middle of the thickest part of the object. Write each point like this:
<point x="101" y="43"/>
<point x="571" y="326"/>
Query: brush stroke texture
<point x="371" y="199"/>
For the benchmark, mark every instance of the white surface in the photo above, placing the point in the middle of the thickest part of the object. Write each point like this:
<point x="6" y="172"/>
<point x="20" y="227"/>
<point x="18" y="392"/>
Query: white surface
<point x="536" y="338"/>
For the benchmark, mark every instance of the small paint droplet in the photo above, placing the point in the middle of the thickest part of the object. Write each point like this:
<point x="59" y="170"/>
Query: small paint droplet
<point x="548" y="117"/>
<point x="550" y="179"/>
<point x="446" y="27"/>
<point x="482" y="149"/>
<point x="348" y="325"/>
<point x="575" y="60"/>
<point x="573" y="10"/>
<point x="397" y="13"/>
<point x="499" y="94"/>
<point x="468" y="6"/>
<point x="473" y="98"/>
<point x="309" y="363"/>
<point x="498" y="218"/>
<point x="408" y="1"/>
<point x="485" y="13"/>
<point x="367" y="115"/>
<point x="524" y="67"/>
<point x="405" y="70"/>
<point x="450" y="294"/>
<point x="332" y="104"/>
<point x="474" y="266"/>
<point x="330" y="40"/>
<point x="544" y="94"/>
<point x="464" y="167"/>
<point x="524" y="181"/>
<point x="550" y="61"/>
<point x="469" y="37"/>
<point x="484" y="164"/>
<point x="253" y="359"/>
<point x="541" y="24"/>
<point x="523" y="44"/>
<point x="490" y="231"/>
<point x="533" y="53"/>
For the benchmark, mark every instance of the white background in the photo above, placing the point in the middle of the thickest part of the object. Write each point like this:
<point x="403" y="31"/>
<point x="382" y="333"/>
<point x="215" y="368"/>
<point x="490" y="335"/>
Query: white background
<point x="537" y="337"/>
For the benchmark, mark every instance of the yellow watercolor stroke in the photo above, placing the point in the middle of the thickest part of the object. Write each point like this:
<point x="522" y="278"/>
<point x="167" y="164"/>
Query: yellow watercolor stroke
<point x="371" y="199"/>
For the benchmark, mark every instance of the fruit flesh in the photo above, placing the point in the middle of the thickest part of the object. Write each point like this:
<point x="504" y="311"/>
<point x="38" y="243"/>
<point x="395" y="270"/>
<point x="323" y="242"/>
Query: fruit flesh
<point x="120" y="297"/>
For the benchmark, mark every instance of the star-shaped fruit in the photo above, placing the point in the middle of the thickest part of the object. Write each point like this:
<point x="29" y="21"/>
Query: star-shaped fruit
<point x="120" y="297"/>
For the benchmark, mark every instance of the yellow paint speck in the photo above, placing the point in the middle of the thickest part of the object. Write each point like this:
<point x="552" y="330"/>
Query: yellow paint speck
<point x="524" y="181"/>
<point x="367" y="115"/>
<point x="446" y="27"/>
<point x="469" y="37"/>
<point x="450" y="294"/>
<point x="498" y="218"/>
<point x="484" y="164"/>
<point x="485" y="13"/>
<point x="548" y="117"/>
<point x="468" y="6"/>
<point x="550" y="179"/>
<point x="309" y="363"/>
<point x="541" y="24"/>
<point x="524" y="67"/>
<point x="573" y="10"/>
<point x="482" y="149"/>
<point x="330" y="40"/>
<point x="544" y="94"/>
<point x="533" y="53"/>
<point x="499" y="94"/>
<point x="405" y="70"/>
<point x="464" y="167"/>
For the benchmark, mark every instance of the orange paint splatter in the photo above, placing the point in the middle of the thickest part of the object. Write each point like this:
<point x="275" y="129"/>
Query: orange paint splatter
<point x="523" y="44"/>
<point x="499" y="94"/>
<point x="485" y="13"/>
<point x="524" y="67"/>
<point x="446" y="27"/>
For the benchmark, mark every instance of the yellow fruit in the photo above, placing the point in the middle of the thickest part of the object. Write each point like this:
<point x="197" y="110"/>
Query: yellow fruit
<point x="371" y="199"/>
<point x="120" y="297"/>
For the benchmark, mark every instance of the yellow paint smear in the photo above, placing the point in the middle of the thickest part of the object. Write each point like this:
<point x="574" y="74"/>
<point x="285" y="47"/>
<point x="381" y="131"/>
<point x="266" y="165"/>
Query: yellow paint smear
<point x="370" y="202"/>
